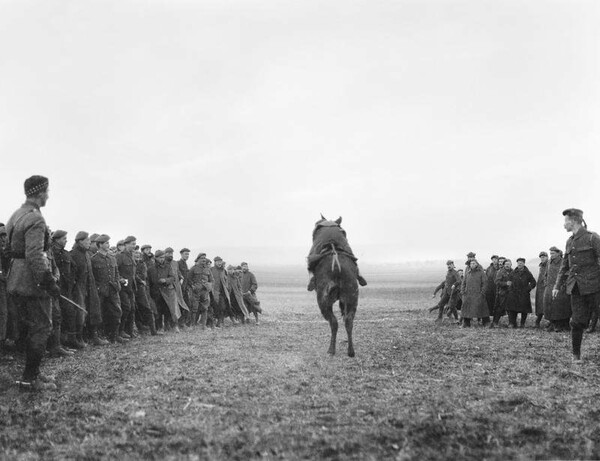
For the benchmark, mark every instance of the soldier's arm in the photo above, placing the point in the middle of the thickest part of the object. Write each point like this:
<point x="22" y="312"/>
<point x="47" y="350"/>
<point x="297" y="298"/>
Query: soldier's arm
<point x="562" y="273"/>
<point x="34" y="252"/>
<point x="439" y="287"/>
<point x="253" y="283"/>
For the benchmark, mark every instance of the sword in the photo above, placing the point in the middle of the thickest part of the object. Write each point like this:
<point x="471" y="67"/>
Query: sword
<point x="74" y="304"/>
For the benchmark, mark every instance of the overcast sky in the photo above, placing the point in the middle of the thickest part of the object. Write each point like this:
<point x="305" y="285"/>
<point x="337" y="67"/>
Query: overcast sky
<point x="432" y="127"/>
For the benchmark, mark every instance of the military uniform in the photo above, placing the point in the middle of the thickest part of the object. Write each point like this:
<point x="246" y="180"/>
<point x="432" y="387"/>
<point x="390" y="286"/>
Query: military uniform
<point x="490" y="294"/>
<point x="220" y="294"/>
<point x="106" y="276"/>
<point x="200" y="283"/>
<point x="249" y="287"/>
<point x="30" y="282"/>
<point x="580" y="272"/>
<point x="85" y="294"/>
<point x="127" y="269"/>
<point x="60" y="263"/>
<point x="451" y="278"/>
<point x="143" y="308"/>
<point x="539" y="292"/>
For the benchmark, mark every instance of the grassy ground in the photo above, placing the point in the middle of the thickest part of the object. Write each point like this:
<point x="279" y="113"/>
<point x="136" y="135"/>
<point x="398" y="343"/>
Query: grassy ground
<point x="414" y="391"/>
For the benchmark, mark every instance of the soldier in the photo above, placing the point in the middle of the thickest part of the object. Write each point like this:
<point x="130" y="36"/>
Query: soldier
<point x="200" y="283"/>
<point x="93" y="247"/>
<point x="249" y="287"/>
<point x="490" y="273"/>
<point x="470" y="257"/>
<point x="220" y="293"/>
<point x="523" y="283"/>
<point x="540" y="288"/>
<point x="446" y="285"/>
<point x="120" y="247"/>
<point x="184" y="308"/>
<point x="143" y="308"/>
<point x="580" y="270"/>
<point x="238" y="308"/>
<point x="3" y="294"/>
<point x="126" y="266"/>
<point x="556" y="310"/>
<point x="505" y="295"/>
<point x="60" y="308"/>
<point x="147" y="255"/>
<point x="85" y="292"/>
<point x="163" y="279"/>
<point x="108" y="283"/>
<point x="30" y="280"/>
<point x="473" y="295"/>
<point x="183" y="267"/>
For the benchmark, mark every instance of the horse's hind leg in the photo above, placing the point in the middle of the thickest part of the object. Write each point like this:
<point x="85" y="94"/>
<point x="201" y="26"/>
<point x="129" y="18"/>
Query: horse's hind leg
<point x="327" y="312"/>
<point x="348" y="310"/>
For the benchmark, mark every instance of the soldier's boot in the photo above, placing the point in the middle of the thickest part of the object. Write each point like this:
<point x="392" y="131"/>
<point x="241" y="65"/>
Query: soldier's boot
<point x="203" y="318"/>
<point x="96" y="340"/>
<point x="538" y="320"/>
<point x="152" y="326"/>
<point x="311" y="284"/>
<point x="73" y="343"/>
<point x="593" y="325"/>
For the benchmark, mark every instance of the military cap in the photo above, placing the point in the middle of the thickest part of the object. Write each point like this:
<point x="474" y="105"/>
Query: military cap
<point x="520" y="259"/>
<point x="495" y="257"/>
<point x="208" y="261"/>
<point x="183" y="250"/>
<point x="447" y="262"/>
<point x="542" y="253"/>
<point x="145" y="246"/>
<point x="201" y="255"/>
<point x="218" y="258"/>
<point x="57" y="234"/>
<point x="102" y="238"/>
<point x="169" y="250"/>
<point x="120" y="243"/>
<point x="574" y="212"/>
<point x="93" y="237"/>
<point x="243" y="263"/>
<point x="230" y="267"/>
<point x="129" y="239"/>
<point x="470" y="254"/>
<point x="35" y="184"/>
<point x="159" y="253"/>
<point x="502" y="257"/>
<point x="554" y="249"/>
<point x="81" y="235"/>
<point x="2" y="230"/>
<point x="238" y="268"/>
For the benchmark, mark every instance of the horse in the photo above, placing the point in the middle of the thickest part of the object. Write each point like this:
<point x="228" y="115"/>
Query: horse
<point x="335" y="272"/>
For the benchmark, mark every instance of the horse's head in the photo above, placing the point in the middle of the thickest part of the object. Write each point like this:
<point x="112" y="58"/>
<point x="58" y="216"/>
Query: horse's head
<point x="325" y="223"/>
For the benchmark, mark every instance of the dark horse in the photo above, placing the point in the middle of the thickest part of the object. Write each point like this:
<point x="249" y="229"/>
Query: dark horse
<point x="336" y="273"/>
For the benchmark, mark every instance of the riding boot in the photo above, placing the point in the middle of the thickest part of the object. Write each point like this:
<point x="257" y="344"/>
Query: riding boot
<point x="311" y="284"/>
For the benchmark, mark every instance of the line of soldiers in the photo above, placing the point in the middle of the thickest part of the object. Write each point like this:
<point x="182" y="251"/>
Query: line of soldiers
<point x="55" y="300"/>
<point x="567" y="289"/>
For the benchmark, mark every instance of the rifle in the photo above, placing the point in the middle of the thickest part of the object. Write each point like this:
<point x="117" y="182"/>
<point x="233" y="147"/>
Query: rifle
<point x="74" y="304"/>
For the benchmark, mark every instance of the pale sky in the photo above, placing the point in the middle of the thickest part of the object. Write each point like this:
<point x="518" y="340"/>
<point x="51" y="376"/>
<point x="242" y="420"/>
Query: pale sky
<point x="432" y="127"/>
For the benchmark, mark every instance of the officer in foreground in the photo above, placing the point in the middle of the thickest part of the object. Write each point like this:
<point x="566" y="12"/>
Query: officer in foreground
<point x="580" y="269"/>
<point x="30" y="280"/>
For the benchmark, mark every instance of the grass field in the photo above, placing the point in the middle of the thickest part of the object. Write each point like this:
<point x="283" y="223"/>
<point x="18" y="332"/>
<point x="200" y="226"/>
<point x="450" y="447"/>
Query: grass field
<point x="414" y="390"/>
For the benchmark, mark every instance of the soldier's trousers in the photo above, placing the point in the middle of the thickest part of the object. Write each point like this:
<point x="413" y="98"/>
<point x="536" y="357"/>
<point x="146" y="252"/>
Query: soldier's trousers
<point x="143" y="311"/>
<point x="200" y="305"/>
<point x="36" y="316"/>
<point x="3" y="311"/>
<point x="128" y="309"/>
<point x="54" y="339"/>
<point x="220" y="309"/>
<point x="445" y="299"/>
<point x="583" y="307"/>
<point x="110" y="306"/>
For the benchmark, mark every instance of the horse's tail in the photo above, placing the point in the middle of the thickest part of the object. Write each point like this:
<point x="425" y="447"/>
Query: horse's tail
<point x="335" y="260"/>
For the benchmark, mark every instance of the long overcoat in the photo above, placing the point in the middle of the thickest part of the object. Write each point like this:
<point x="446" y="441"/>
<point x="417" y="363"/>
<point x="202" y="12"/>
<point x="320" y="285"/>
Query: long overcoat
<point x="524" y="282"/>
<point x="505" y="294"/>
<point x="165" y="290"/>
<point x="540" y="288"/>
<point x="473" y="292"/>
<point x="85" y="292"/>
<point x="490" y="292"/>
<point x="559" y="308"/>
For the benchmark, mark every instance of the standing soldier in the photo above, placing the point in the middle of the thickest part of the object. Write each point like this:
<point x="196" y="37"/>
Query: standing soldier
<point x="540" y="288"/>
<point x="145" y="315"/>
<point x="3" y="295"/>
<point x="184" y="270"/>
<point x="505" y="294"/>
<point x="106" y="276"/>
<point x="60" y="308"/>
<point x="446" y="285"/>
<point x="220" y="300"/>
<point x="490" y="293"/>
<point x="524" y="282"/>
<point x="249" y="287"/>
<point x="85" y="292"/>
<point x="580" y="269"/>
<point x="30" y="280"/>
<point x="556" y="310"/>
<point x="126" y="266"/>
<point x="200" y="283"/>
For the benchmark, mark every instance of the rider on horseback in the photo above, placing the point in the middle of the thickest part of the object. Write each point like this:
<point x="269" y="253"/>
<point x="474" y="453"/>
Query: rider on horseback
<point x="329" y="237"/>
